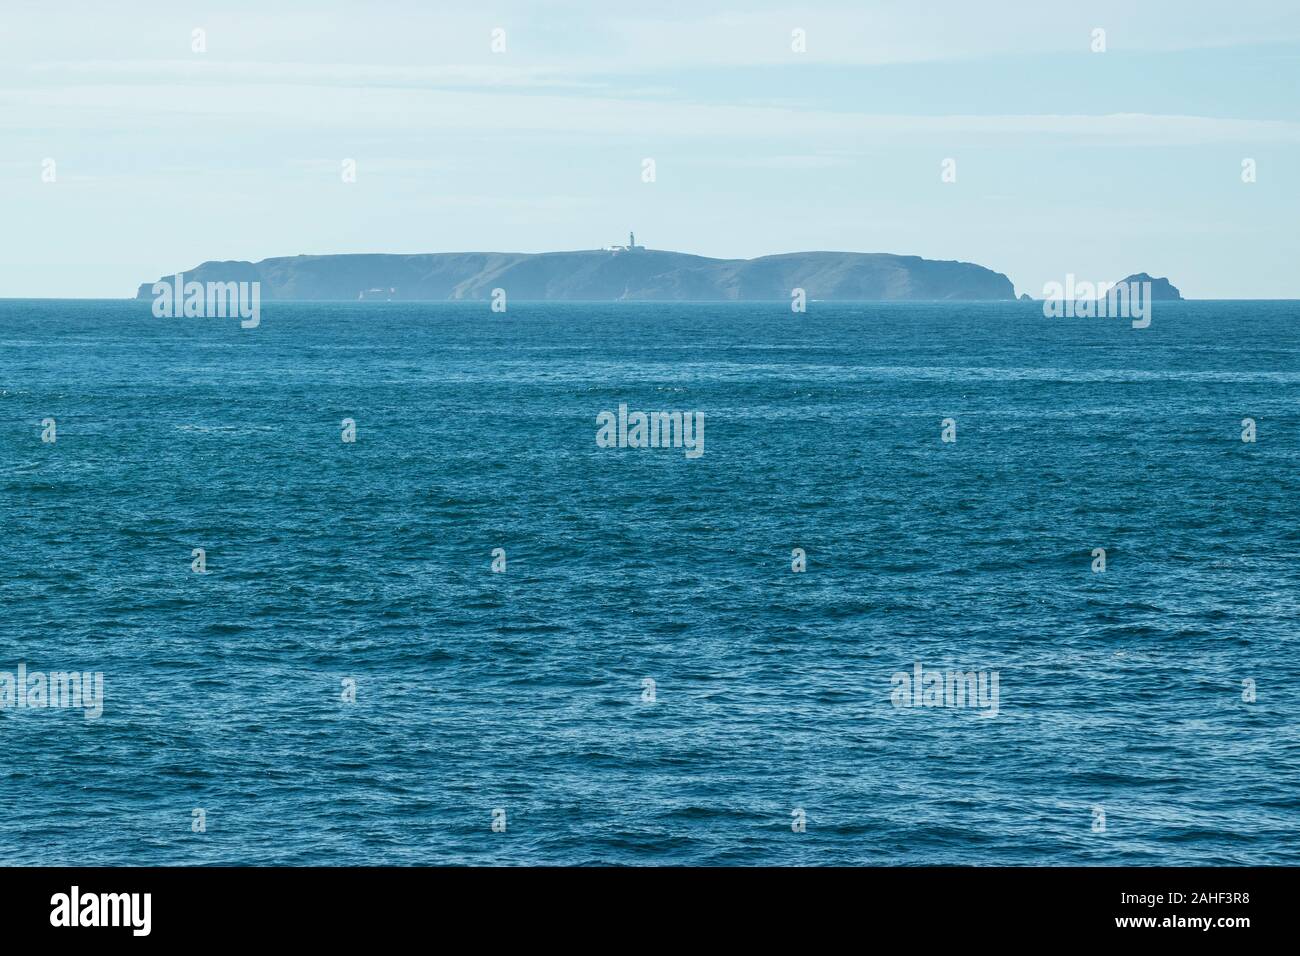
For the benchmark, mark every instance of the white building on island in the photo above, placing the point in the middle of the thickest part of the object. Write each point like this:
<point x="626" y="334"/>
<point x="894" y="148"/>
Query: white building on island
<point x="630" y="247"/>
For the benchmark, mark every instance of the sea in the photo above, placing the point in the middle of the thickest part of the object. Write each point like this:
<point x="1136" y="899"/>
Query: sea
<point x="475" y="634"/>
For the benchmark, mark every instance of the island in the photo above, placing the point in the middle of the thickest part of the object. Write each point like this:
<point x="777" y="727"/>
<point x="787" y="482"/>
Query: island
<point x="1161" y="288"/>
<point x="629" y="272"/>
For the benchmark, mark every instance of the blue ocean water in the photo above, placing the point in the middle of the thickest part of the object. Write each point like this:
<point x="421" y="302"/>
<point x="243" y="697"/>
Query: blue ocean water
<point x="333" y="565"/>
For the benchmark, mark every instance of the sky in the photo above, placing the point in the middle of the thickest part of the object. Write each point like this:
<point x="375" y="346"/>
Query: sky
<point x="126" y="153"/>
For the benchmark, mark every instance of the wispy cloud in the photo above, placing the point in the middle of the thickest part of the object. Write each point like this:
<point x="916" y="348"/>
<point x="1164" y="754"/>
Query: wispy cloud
<point x="360" y="75"/>
<point x="402" y="111"/>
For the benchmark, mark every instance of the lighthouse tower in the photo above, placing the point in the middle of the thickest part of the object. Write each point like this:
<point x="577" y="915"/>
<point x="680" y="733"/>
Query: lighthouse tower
<point x="630" y="247"/>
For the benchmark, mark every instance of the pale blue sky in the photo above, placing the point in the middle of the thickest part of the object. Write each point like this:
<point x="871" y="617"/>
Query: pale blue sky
<point x="1100" y="164"/>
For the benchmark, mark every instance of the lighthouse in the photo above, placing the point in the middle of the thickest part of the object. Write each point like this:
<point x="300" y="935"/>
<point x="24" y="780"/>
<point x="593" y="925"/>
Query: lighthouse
<point x="630" y="247"/>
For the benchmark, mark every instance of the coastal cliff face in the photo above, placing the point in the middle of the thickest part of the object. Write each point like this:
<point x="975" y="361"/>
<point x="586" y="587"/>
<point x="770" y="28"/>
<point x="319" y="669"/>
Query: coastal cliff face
<point x="602" y="275"/>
